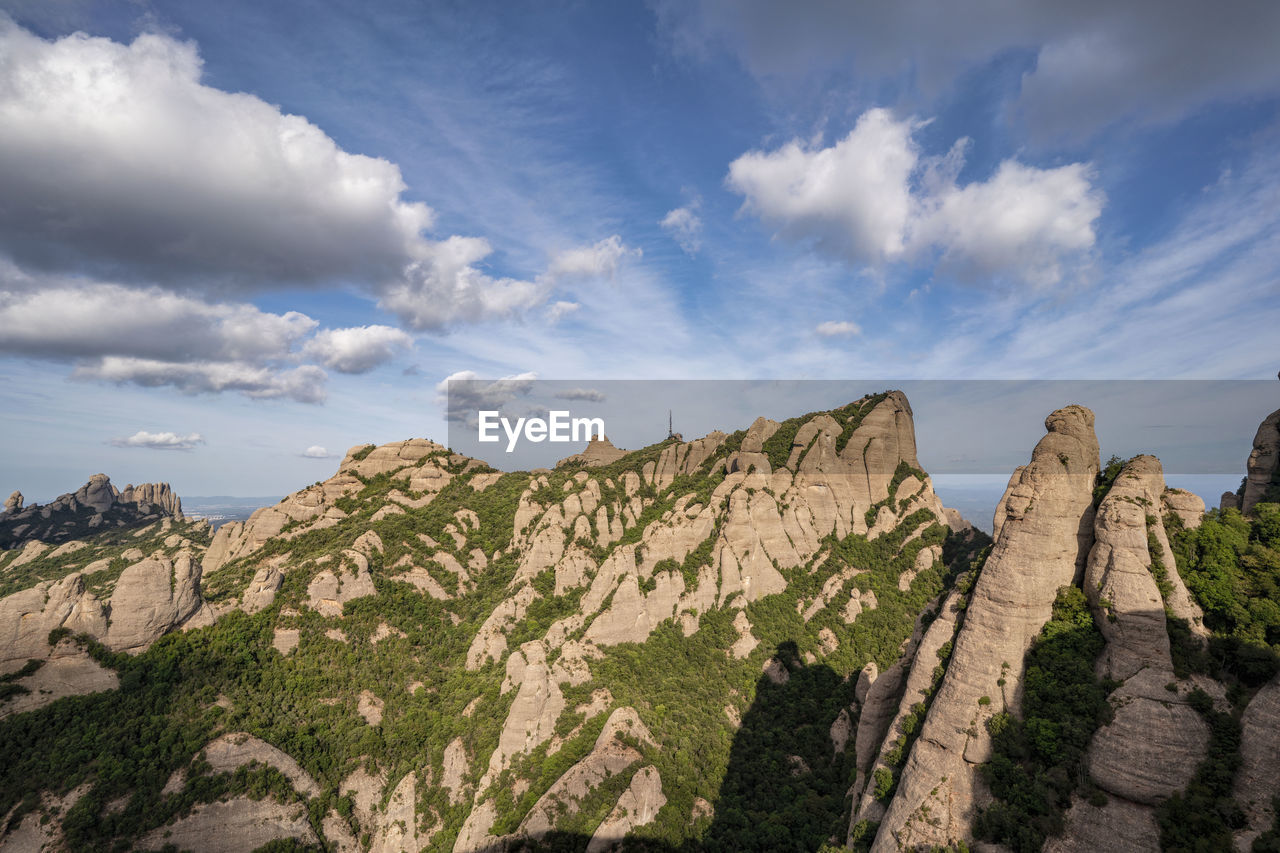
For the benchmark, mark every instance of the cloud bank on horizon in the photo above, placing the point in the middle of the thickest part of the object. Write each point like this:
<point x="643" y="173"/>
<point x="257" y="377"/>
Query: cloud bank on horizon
<point x="197" y="221"/>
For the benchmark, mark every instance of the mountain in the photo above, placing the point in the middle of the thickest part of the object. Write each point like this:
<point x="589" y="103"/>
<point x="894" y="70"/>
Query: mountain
<point x="94" y="506"/>
<point x="772" y="639"/>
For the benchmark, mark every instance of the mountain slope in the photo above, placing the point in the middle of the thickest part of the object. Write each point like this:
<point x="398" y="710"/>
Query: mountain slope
<point x="460" y="657"/>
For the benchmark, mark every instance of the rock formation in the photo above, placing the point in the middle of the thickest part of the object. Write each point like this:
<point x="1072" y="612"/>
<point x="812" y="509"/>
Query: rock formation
<point x="1264" y="464"/>
<point x="532" y="638"/>
<point x="97" y="505"/>
<point x="1043" y="531"/>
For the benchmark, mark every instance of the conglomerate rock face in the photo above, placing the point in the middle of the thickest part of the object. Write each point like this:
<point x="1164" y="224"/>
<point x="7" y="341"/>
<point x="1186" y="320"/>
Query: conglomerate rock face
<point x="1043" y="533"/>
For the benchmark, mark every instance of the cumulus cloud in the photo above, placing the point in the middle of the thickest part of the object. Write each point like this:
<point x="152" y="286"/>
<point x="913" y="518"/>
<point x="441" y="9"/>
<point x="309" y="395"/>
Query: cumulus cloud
<point x="1095" y="63"/>
<point x="160" y="440"/>
<point x="597" y="261"/>
<point x="358" y="349"/>
<point x="155" y="338"/>
<point x="852" y="198"/>
<point x="872" y="198"/>
<point x="119" y="163"/>
<point x="315" y="451"/>
<point x="685" y="227"/>
<point x="838" y="329"/>
<point x="305" y="384"/>
<point x="64" y="319"/>
<point x="446" y="286"/>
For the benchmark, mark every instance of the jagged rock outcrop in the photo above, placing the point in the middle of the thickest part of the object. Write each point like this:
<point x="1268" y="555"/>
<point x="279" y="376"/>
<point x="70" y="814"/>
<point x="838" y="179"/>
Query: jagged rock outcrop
<point x="27" y="617"/>
<point x="153" y="497"/>
<point x="924" y="658"/>
<point x="95" y="505"/>
<point x="1264" y="463"/>
<point x="1043" y="529"/>
<point x="150" y="598"/>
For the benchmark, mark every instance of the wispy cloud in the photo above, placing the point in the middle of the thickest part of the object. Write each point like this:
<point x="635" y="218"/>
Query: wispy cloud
<point x="837" y="329"/>
<point x="685" y="226"/>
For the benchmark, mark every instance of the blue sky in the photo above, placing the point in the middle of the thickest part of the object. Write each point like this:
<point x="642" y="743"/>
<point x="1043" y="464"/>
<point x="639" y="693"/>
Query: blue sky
<point x="235" y="233"/>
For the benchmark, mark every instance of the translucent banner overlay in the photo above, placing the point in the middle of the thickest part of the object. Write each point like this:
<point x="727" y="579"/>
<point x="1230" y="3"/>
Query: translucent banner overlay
<point x="969" y="434"/>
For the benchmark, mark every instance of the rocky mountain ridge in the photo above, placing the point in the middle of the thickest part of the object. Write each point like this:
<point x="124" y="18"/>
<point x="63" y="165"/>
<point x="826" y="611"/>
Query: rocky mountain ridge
<point x="95" y="506"/>
<point x="772" y="638"/>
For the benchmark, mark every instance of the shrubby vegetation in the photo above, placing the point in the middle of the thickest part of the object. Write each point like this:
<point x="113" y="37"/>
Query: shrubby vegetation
<point x="1231" y="565"/>
<point x="1038" y="760"/>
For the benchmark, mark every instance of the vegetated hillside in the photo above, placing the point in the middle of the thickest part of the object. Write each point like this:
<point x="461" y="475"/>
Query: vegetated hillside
<point x="768" y="640"/>
<point x="421" y="652"/>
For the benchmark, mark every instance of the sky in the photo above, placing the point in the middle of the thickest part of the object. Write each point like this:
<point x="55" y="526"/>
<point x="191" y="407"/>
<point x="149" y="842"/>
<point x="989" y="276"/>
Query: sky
<point x="238" y="238"/>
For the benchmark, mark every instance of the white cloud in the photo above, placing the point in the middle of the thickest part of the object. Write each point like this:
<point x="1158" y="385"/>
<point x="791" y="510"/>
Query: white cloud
<point x="685" y="227"/>
<point x="447" y="287"/>
<point x="305" y="384"/>
<point x="597" y="261"/>
<point x="840" y="328"/>
<point x="118" y="162"/>
<point x="851" y="199"/>
<point x="1021" y="219"/>
<point x="871" y="198"/>
<point x="358" y="349"/>
<point x="315" y="451"/>
<point x="160" y="440"/>
<point x="1095" y="63"/>
<point x="560" y="309"/>
<point x="66" y="319"/>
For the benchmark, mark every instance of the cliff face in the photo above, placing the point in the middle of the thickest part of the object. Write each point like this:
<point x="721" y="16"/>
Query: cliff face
<point x="95" y="506"/>
<point x="1043" y="528"/>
